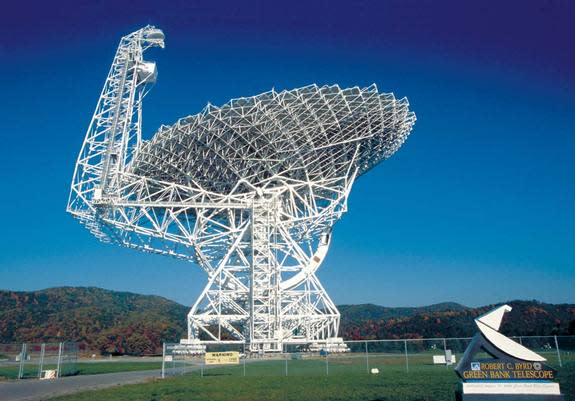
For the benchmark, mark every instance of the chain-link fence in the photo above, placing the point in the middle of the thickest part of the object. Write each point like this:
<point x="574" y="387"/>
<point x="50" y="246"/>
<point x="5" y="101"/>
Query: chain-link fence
<point x="434" y="355"/>
<point x="38" y="360"/>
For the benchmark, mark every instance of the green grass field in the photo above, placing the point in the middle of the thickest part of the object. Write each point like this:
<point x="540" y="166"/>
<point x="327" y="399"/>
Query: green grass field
<point x="345" y="378"/>
<point x="297" y="388"/>
<point x="87" y="368"/>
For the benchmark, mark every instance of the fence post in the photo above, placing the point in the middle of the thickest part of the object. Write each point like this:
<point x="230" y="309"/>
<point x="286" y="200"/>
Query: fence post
<point x="366" y="357"/>
<point x="41" y="364"/>
<point x="164" y="360"/>
<point x="22" y="357"/>
<point x="59" y="360"/>
<point x="185" y="364"/>
<point x="327" y="363"/>
<point x="445" y="352"/>
<point x="406" y="358"/>
<point x="558" y="353"/>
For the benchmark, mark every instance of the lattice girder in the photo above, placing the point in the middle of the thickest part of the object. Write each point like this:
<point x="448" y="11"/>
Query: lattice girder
<point x="249" y="191"/>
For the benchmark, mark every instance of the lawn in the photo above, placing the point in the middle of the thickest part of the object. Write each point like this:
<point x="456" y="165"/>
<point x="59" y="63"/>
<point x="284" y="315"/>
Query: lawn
<point x="344" y="379"/>
<point x="297" y="388"/>
<point x="82" y="368"/>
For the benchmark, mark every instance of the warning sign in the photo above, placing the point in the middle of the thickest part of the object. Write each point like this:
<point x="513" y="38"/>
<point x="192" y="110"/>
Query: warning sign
<point x="222" y="358"/>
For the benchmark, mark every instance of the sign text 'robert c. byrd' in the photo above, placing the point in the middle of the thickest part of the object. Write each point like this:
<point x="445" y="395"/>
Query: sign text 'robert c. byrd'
<point x="508" y="371"/>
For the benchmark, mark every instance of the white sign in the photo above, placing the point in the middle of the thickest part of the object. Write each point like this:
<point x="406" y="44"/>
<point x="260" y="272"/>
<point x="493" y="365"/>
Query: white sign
<point x="440" y="359"/>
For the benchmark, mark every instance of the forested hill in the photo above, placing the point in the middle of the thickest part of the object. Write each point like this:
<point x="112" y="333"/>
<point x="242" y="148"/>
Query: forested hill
<point x="375" y="312"/>
<point x="127" y="323"/>
<point x="109" y="321"/>
<point x="453" y="320"/>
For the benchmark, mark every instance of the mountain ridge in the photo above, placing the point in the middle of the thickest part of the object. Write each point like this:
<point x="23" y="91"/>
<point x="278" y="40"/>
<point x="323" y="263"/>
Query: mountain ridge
<point x="121" y="322"/>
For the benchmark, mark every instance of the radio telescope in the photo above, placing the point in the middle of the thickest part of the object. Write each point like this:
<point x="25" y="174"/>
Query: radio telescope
<point x="249" y="191"/>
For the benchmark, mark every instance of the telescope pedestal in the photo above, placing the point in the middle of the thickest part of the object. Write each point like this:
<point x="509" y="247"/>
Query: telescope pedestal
<point x="264" y="292"/>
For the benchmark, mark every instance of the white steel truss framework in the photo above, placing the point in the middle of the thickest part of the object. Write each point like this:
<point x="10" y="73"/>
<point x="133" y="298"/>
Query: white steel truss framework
<point x="249" y="191"/>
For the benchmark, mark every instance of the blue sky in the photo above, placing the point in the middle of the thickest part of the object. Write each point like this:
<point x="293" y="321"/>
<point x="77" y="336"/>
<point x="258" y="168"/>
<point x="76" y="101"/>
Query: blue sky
<point x="477" y="207"/>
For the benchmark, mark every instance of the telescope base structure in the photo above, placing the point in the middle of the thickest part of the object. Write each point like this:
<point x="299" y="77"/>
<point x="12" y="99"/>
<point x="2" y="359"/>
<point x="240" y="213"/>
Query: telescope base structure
<point x="331" y="345"/>
<point x="265" y="293"/>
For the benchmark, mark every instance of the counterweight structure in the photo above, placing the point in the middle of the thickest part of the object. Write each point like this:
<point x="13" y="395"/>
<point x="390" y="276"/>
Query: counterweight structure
<point x="249" y="191"/>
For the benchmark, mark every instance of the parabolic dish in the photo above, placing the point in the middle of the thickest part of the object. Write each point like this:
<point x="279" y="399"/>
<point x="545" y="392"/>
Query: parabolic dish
<point x="307" y="134"/>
